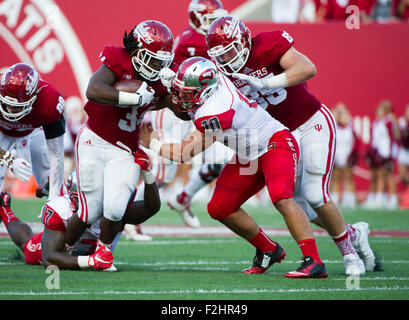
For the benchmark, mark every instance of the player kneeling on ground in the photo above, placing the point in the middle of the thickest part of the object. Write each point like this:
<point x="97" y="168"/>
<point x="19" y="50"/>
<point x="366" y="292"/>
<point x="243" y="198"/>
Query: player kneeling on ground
<point x="49" y="247"/>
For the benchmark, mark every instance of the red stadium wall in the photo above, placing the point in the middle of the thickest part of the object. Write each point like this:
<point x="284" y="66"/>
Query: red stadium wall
<point x="359" y="67"/>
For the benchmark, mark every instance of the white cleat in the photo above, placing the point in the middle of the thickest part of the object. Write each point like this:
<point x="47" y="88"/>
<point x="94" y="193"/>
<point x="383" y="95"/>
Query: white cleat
<point x="188" y="217"/>
<point x="353" y="265"/>
<point x="134" y="232"/>
<point x="362" y="247"/>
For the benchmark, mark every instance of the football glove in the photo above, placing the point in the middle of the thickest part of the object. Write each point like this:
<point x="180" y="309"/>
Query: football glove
<point x="255" y="83"/>
<point x="145" y="93"/>
<point x="166" y="77"/>
<point x="101" y="259"/>
<point x="19" y="166"/>
<point x="142" y="160"/>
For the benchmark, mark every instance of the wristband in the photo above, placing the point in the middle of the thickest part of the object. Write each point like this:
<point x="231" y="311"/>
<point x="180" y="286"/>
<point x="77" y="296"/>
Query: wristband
<point x="83" y="261"/>
<point x="155" y="145"/>
<point x="127" y="98"/>
<point x="279" y="81"/>
<point x="148" y="177"/>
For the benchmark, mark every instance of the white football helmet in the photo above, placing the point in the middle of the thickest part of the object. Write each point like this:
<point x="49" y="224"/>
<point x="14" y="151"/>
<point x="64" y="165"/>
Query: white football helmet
<point x="195" y="81"/>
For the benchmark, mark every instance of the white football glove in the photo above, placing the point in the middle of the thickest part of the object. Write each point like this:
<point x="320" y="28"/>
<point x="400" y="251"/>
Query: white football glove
<point x="19" y="166"/>
<point x="146" y="94"/>
<point x="166" y="77"/>
<point x="255" y="83"/>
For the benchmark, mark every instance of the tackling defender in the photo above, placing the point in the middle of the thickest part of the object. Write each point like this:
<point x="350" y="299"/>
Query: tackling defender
<point x="266" y="155"/>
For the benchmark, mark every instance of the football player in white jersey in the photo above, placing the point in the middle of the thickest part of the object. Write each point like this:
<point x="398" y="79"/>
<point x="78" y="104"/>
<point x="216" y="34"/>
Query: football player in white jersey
<point x="266" y="155"/>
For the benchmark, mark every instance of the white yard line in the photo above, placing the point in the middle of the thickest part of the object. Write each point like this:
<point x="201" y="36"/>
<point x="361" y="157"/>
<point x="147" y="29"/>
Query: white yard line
<point x="199" y="291"/>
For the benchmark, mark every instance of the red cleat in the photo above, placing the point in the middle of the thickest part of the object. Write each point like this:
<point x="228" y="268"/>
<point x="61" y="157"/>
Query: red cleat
<point x="309" y="269"/>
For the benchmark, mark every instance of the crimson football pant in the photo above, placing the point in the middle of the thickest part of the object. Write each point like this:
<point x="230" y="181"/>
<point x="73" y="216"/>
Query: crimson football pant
<point x="276" y="169"/>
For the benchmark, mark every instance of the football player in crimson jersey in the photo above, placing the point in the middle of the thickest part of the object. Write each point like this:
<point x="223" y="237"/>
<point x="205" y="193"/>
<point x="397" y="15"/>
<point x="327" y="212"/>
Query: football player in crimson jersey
<point x="266" y="155"/>
<point x="106" y="173"/>
<point x="49" y="248"/>
<point x="26" y="104"/>
<point x="192" y="41"/>
<point x="268" y="69"/>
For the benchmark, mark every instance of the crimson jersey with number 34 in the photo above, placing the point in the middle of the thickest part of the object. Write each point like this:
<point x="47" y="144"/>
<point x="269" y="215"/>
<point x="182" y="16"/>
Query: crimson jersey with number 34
<point x="120" y="124"/>
<point x="291" y="106"/>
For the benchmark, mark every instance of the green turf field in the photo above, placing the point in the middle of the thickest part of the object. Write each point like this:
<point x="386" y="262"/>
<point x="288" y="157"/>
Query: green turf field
<point x="209" y="268"/>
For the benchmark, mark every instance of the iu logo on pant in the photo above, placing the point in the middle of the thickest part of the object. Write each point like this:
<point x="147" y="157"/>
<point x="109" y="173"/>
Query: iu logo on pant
<point x="318" y="127"/>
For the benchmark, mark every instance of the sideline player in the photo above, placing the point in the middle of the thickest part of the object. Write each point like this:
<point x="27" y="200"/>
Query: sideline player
<point x="274" y="74"/>
<point x="26" y="104"/>
<point x="106" y="172"/>
<point x="266" y="155"/>
<point x="49" y="248"/>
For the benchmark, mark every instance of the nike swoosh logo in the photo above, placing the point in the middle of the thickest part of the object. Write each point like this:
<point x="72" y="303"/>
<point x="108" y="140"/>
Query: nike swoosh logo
<point x="100" y="260"/>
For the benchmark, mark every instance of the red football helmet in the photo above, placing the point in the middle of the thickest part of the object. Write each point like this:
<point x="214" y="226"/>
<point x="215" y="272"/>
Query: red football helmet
<point x="229" y="43"/>
<point x="150" y="45"/>
<point x="18" y="91"/>
<point x="203" y="12"/>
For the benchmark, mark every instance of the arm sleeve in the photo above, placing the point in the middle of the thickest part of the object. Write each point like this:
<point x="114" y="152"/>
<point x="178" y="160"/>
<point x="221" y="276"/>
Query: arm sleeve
<point x="56" y="150"/>
<point x="55" y="129"/>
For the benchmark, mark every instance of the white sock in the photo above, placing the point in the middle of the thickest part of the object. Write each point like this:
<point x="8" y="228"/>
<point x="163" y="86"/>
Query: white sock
<point x="194" y="185"/>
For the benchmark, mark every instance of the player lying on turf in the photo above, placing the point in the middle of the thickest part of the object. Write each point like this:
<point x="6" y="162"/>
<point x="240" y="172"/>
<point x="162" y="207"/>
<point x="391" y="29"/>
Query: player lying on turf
<point x="49" y="247"/>
<point x="266" y="155"/>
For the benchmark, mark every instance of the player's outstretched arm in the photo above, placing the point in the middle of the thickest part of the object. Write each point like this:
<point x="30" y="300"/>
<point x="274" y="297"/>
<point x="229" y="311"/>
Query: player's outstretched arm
<point x="182" y="152"/>
<point x="52" y="247"/>
<point x="298" y="68"/>
<point x="54" y="134"/>
<point x="52" y="250"/>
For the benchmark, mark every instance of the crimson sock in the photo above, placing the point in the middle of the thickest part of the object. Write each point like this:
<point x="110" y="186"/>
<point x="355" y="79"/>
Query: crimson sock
<point x="309" y="248"/>
<point x="7" y="215"/>
<point x="351" y="231"/>
<point x="262" y="242"/>
<point x="344" y="244"/>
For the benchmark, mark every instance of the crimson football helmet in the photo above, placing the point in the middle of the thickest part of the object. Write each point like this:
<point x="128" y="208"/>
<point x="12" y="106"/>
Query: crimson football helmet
<point x="229" y="43"/>
<point x="195" y="81"/>
<point x="150" y="45"/>
<point x="203" y="12"/>
<point x="18" y="91"/>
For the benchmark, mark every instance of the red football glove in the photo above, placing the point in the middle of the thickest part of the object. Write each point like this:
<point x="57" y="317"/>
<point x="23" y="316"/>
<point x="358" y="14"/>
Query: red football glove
<point x="101" y="259"/>
<point x="142" y="160"/>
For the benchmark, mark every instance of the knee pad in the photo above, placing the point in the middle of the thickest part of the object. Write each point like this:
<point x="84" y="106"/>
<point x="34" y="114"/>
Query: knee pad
<point x="86" y="175"/>
<point x="313" y="193"/>
<point x="314" y="160"/>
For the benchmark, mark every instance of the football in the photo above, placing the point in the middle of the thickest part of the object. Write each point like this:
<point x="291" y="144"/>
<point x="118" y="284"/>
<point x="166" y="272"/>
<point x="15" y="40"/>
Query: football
<point x="128" y="85"/>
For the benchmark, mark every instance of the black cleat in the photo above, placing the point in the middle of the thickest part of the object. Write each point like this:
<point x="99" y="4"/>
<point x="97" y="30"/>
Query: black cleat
<point x="309" y="269"/>
<point x="263" y="261"/>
